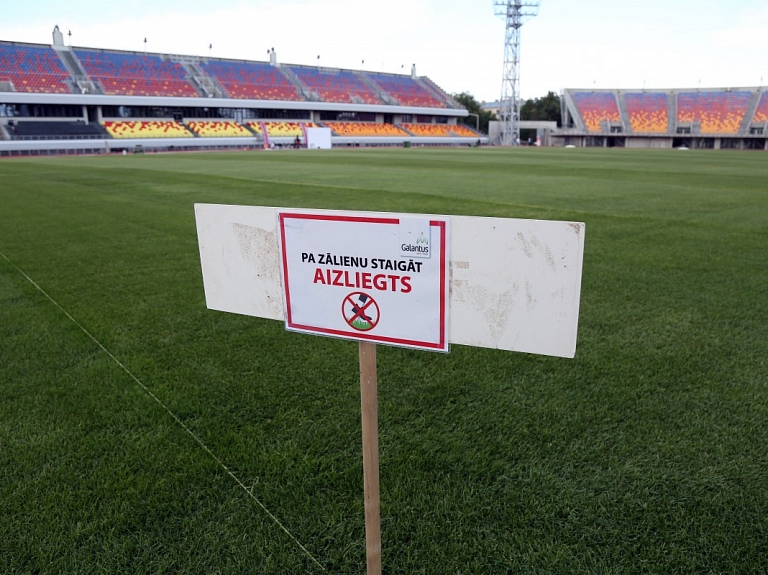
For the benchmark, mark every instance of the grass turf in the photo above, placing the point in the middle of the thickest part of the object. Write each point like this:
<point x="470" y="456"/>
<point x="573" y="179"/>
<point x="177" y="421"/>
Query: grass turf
<point x="645" y="454"/>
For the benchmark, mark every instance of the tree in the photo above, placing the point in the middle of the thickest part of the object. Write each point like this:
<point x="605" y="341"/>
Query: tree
<point x="543" y="109"/>
<point x="473" y="107"/>
<point x="546" y="109"/>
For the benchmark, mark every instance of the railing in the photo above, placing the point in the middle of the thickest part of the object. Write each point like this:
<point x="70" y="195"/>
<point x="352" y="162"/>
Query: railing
<point x="60" y="137"/>
<point x="437" y="92"/>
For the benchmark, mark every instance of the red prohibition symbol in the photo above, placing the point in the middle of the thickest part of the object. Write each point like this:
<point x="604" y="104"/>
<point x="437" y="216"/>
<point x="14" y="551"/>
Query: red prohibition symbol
<point x="360" y="311"/>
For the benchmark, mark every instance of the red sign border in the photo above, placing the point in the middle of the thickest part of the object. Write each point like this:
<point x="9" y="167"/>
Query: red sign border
<point x="441" y="345"/>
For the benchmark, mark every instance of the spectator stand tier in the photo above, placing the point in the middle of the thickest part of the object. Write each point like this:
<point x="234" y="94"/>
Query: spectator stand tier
<point x="251" y="80"/>
<point x="338" y="86"/>
<point x="406" y="90"/>
<point x="440" y="130"/>
<point x="366" y="129"/>
<point x="463" y="131"/>
<point x="146" y="129"/>
<point x="761" y="113"/>
<point x="275" y="129"/>
<point x="648" y="112"/>
<point x="77" y="130"/>
<point x="136" y="74"/>
<point x="715" y="112"/>
<point x="596" y="108"/>
<point x="33" y="69"/>
<point x="218" y="129"/>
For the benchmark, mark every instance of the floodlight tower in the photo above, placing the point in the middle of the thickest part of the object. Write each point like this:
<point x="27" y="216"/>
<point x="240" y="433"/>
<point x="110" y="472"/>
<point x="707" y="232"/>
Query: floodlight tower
<point x="514" y="12"/>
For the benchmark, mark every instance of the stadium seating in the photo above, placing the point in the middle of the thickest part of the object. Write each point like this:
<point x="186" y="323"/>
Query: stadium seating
<point x="281" y="129"/>
<point x="439" y="130"/>
<point x="647" y="112"/>
<point x="338" y="86"/>
<point x="146" y="129"/>
<point x="56" y="130"/>
<point x="33" y="69"/>
<point x="462" y="130"/>
<point x="596" y="107"/>
<point x="761" y="114"/>
<point x="365" y="129"/>
<point x="136" y="75"/>
<point x="717" y="112"/>
<point x="251" y="80"/>
<point x="406" y="90"/>
<point x="218" y="129"/>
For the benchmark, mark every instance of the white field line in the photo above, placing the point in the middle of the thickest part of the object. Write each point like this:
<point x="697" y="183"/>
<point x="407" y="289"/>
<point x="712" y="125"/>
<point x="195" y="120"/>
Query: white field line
<point x="161" y="404"/>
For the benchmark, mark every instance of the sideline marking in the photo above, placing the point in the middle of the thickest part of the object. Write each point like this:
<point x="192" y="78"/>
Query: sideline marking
<point x="161" y="404"/>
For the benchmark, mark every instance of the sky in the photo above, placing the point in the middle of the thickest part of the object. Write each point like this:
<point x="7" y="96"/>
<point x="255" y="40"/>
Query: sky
<point x="459" y="44"/>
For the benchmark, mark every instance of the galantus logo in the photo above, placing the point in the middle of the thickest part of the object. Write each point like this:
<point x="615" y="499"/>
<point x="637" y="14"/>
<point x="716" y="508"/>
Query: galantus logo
<point x="414" y="238"/>
<point x="418" y="249"/>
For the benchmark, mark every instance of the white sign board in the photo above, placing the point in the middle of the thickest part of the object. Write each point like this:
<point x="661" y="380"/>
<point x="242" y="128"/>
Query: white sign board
<point x="513" y="284"/>
<point x="319" y="138"/>
<point x="363" y="277"/>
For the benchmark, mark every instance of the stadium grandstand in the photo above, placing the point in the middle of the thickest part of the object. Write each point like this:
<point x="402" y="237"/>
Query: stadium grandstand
<point x="63" y="99"/>
<point x="712" y="118"/>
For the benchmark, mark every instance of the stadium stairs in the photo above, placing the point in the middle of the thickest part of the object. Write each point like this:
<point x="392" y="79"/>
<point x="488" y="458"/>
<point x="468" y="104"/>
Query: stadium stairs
<point x="207" y="86"/>
<point x="672" y="112"/>
<point x="305" y="92"/>
<point x="334" y="85"/>
<point x="570" y="105"/>
<point x="376" y="89"/>
<point x="218" y="129"/>
<point x="281" y="129"/>
<point x="188" y="65"/>
<point x="760" y="116"/>
<point x="32" y="69"/>
<point x="79" y="81"/>
<point x="623" y="114"/>
<point x="754" y="102"/>
<point x="129" y="74"/>
<point x="437" y="92"/>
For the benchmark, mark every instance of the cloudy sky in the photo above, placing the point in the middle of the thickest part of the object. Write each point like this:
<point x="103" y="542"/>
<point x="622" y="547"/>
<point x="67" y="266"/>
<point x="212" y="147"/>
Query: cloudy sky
<point x="457" y="43"/>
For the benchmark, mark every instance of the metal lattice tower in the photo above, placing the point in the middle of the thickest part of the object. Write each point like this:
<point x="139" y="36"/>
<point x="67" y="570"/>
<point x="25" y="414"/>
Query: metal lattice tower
<point x="514" y="13"/>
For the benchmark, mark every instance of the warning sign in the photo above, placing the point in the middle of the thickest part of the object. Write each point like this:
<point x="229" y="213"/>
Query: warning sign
<point x="376" y="277"/>
<point x="357" y="313"/>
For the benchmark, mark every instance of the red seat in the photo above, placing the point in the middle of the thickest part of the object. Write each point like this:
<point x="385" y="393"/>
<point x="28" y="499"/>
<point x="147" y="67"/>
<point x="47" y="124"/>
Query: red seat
<point x="716" y="112"/>
<point x="33" y="69"/>
<point x="136" y="75"/>
<point x="595" y="108"/>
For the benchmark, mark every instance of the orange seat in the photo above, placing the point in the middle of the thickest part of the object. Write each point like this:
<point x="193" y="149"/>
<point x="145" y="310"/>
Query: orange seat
<point x="145" y="129"/>
<point x="647" y="112"/>
<point x="366" y="129"/>
<point x="595" y="108"/>
<point x="761" y="114"/>
<point x="136" y="74"/>
<point x="716" y="112"/>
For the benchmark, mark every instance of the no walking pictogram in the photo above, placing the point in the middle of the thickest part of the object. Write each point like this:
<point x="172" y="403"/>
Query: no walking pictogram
<point x="360" y="311"/>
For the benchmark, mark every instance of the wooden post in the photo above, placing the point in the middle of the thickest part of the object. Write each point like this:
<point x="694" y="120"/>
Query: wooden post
<point x="370" y="417"/>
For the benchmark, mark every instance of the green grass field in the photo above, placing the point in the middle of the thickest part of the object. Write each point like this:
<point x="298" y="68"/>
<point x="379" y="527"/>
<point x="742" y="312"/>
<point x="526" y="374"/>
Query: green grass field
<point x="647" y="453"/>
